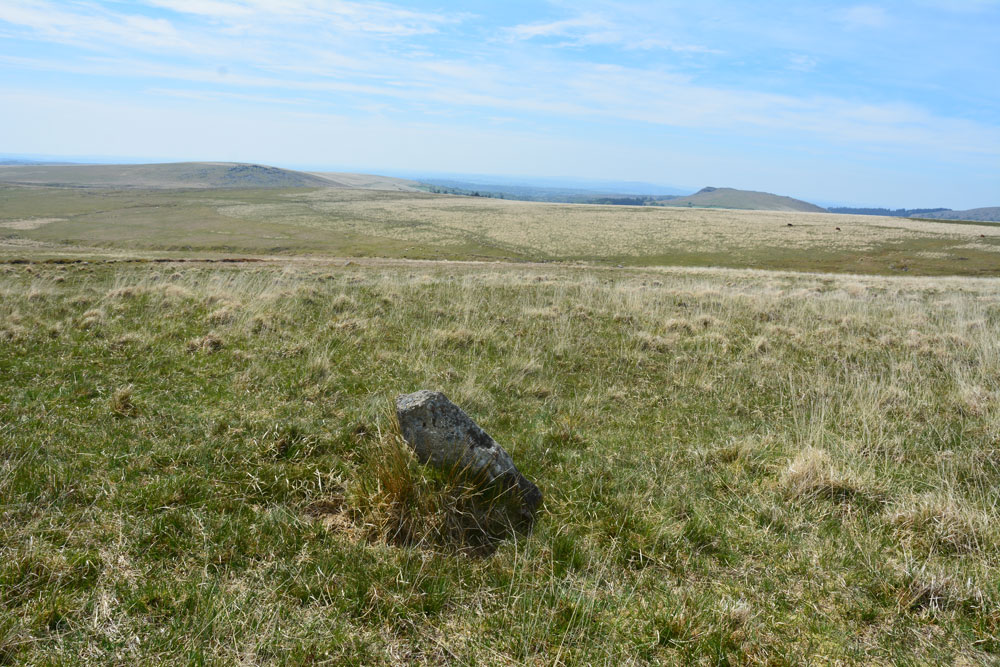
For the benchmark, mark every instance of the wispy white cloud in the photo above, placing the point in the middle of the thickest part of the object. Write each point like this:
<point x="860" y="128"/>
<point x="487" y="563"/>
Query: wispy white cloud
<point x="213" y="8"/>
<point x="370" y="17"/>
<point x="585" y="23"/>
<point x="224" y="28"/>
<point x="801" y="62"/>
<point x="865" y="16"/>
<point x="640" y="95"/>
<point x="592" y="92"/>
<point x="594" y="29"/>
<point x="93" y="27"/>
<point x="215" y="96"/>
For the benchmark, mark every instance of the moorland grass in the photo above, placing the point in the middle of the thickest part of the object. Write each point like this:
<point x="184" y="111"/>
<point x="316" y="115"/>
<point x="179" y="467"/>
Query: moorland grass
<point x="342" y="222"/>
<point x="198" y="464"/>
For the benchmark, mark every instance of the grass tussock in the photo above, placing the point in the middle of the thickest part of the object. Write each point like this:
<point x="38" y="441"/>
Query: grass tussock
<point x="91" y="319"/>
<point x="120" y="293"/>
<point x="122" y="403"/>
<point x="812" y="474"/>
<point x="942" y="523"/>
<point x="223" y="315"/>
<point x="648" y="341"/>
<point x="458" y="338"/>
<point x="402" y="503"/>
<point x="922" y="588"/>
<point x="208" y="344"/>
<point x="342" y="303"/>
<point x="13" y="333"/>
<point x="127" y="341"/>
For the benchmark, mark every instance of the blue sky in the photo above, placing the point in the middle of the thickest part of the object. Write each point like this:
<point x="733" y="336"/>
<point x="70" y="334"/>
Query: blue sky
<point x="883" y="103"/>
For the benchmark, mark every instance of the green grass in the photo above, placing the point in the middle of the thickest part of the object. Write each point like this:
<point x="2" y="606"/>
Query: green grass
<point x="197" y="465"/>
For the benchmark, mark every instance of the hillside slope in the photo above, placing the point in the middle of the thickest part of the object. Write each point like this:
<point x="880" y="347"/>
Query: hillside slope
<point x="156" y="176"/>
<point x="340" y="179"/>
<point x="987" y="214"/>
<point x="743" y="199"/>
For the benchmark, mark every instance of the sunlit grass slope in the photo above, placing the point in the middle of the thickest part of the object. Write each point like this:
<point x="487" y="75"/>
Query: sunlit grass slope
<point x="196" y="465"/>
<point x="345" y="222"/>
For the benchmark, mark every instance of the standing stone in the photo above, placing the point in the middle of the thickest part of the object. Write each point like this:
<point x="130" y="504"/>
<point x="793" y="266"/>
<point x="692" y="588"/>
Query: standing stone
<point x="443" y="436"/>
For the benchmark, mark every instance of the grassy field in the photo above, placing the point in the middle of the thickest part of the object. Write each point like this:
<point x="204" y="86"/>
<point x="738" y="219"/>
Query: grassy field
<point x="198" y="463"/>
<point x="343" y="222"/>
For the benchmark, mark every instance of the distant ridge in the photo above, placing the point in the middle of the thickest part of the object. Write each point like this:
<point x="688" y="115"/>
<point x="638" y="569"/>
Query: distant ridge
<point x="987" y="214"/>
<point x="342" y="179"/>
<point x="7" y="162"/>
<point x="160" y="176"/>
<point x="742" y="199"/>
<point x="887" y="212"/>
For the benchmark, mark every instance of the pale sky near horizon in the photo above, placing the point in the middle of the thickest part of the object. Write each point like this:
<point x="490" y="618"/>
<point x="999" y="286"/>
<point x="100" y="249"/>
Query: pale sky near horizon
<point x="885" y="103"/>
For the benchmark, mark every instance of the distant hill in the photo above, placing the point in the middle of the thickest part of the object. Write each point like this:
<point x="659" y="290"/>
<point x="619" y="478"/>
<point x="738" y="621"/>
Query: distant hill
<point x="705" y="198"/>
<point x="987" y="214"/>
<point x="742" y="199"/>
<point x="342" y="179"/>
<point x="890" y="212"/>
<point x="20" y="162"/>
<point x="156" y="176"/>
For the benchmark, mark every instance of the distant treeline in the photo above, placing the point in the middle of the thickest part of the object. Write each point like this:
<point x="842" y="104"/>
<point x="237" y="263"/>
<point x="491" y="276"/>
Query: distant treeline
<point x="442" y="190"/>
<point x="542" y="194"/>
<point x="611" y="200"/>
<point x="895" y="213"/>
<point x="624" y="201"/>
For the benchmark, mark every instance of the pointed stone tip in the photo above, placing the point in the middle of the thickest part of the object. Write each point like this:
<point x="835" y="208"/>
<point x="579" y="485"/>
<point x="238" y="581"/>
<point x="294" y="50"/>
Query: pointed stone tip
<point x="419" y="396"/>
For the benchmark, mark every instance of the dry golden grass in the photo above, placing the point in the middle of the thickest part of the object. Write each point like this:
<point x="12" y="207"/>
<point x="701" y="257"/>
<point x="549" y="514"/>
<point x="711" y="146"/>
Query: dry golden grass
<point x="30" y="223"/>
<point x="577" y="230"/>
<point x="942" y="522"/>
<point x="812" y="474"/>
